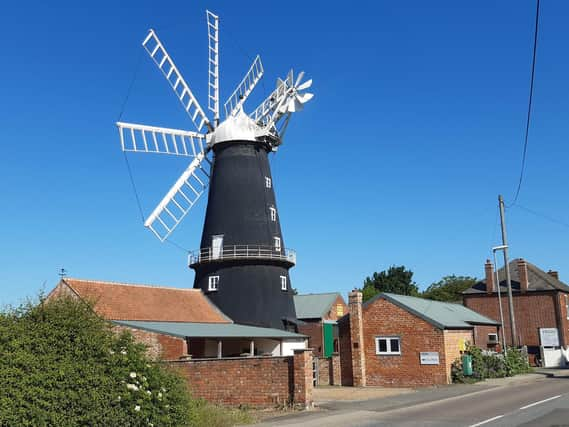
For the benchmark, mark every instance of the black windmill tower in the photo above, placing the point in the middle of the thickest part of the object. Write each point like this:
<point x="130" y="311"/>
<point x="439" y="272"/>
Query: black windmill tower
<point x="242" y="264"/>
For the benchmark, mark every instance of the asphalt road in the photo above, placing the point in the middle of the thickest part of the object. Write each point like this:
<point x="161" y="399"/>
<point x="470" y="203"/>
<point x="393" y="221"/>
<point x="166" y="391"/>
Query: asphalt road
<point x="539" y="401"/>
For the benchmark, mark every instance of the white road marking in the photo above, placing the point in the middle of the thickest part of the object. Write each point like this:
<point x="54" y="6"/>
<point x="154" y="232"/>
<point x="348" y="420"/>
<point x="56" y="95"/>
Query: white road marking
<point x="487" y="421"/>
<point x="541" y="401"/>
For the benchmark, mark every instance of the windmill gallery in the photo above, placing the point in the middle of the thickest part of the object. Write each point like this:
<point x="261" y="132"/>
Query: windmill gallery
<point x="240" y="335"/>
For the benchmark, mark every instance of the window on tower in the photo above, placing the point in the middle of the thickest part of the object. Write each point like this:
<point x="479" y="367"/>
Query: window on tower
<point x="277" y="244"/>
<point x="273" y="213"/>
<point x="213" y="283"/>
<point x="284" y="286"/>
<point x="268" y="183"/>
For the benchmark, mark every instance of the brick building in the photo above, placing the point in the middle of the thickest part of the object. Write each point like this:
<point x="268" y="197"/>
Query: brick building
<point x="540" y="300"/>
<point x="319" y="314"/>
<point x="402" y="341"/>
<point x="216" y="355"/>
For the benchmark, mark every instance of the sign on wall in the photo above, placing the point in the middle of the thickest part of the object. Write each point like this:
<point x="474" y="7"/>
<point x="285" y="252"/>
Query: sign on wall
<point x="429" y="358"/>
<point x="549" y="337"/>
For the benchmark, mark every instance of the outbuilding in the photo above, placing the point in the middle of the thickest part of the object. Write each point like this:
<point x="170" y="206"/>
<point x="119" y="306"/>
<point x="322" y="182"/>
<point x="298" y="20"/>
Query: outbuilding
<point x="403" y="341"/>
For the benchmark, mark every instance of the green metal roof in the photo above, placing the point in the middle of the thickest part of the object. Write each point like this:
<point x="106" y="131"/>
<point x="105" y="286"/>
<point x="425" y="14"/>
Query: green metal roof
<point x="314" y="306"/>
<point x="444" y="315"/>
<point x="207" y="330"/>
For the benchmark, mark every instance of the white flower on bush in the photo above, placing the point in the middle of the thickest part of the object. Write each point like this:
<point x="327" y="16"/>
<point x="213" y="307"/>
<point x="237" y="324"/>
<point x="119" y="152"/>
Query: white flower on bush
<point x="159" y="395"/>
<point x="123" y="352"/>
<point x="148" y="392"/>
<point x="111" y="352"/>
<point x="133" y="375"/>
<point x="137" y="408"/>
<point x="132" y="387"/>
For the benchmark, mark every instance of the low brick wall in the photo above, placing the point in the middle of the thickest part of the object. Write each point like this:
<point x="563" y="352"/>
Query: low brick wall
<point x="159" y="346"/>
<point x="253" y="381"/>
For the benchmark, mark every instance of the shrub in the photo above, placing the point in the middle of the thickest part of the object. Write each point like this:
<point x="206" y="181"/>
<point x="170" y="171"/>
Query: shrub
<point x="60" y="364"/>
<point x="490" y="365"/>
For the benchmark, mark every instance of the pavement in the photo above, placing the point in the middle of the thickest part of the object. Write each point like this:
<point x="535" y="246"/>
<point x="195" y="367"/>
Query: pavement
<point x="540" y="398"/>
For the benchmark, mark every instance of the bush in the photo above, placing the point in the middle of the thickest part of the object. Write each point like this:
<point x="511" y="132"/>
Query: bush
<point x="60" y="364"/>
<point x="487" y="364"/>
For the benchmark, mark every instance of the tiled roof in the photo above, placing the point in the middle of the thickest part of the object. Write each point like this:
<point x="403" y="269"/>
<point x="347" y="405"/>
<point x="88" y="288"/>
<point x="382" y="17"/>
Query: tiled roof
<point x="314" y="306"/>
<point x="122" y="301"/>
<point x="538" y="280"/>
<point x="444" y="315"/>
<point x="208" y="330"/>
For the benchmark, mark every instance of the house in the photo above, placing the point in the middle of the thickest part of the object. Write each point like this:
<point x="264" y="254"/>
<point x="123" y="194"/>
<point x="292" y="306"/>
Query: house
<point x="177" y="323"/>
<point x="319" y="314"/>
<point x="540" y="301"/>
<point x="403" y="341"/>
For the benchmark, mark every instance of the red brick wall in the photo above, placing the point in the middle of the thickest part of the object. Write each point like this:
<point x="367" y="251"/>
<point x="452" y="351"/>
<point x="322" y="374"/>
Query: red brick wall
<point x="382" y="318"/>
<point x="159" y="346"/>
<point x="333" y="313"/>
<point x="481" y="336"/>
<point x="533" y="310"/>
<point x="313" y="328"/>
<point x="563" y="299"/>
<point x="345" y="351"/>
<point x="324" y="367"/>
<point x="254" y="381"/>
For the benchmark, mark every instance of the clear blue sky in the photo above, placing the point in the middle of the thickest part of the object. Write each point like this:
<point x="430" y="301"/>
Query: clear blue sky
<point x="416" y="127"/>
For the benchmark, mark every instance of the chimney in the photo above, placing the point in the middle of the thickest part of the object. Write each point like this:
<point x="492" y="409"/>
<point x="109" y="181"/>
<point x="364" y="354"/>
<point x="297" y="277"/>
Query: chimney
<point x="523" y="275"/>
<point x="554" y="274"/>
<point x="489" y="268"/>
<point x="355" y="299"/>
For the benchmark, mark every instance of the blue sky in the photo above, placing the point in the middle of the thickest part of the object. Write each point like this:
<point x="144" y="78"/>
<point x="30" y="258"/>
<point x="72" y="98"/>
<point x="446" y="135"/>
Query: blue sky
<point x="416" y="127"/>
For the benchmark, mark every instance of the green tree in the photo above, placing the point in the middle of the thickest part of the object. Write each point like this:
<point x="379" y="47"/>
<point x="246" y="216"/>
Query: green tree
<point x="396" y="280"/>
<point x="449" y="288"/>
<point x="61" y="365"/>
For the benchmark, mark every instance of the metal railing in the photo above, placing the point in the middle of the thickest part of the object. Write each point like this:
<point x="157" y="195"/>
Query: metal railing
<point x="241" y="252"/>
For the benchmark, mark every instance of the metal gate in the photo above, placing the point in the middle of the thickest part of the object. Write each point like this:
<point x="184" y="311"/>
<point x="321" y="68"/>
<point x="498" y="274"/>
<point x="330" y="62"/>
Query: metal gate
<point x="314" y="371"/>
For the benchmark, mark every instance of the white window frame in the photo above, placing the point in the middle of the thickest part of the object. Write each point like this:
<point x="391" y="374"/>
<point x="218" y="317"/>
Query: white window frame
<point x="277" y="241"/>
<point x="273" y="213"/>
<point x="213" y="283"/>
<point x="268" y="182"/>
<point x="387" y="346"/>
<point x="284" y="285"/>
<point x="493" y="337"/>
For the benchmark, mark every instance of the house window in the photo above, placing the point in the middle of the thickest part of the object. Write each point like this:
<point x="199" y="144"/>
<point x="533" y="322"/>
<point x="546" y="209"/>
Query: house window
<point x="273" y="213"/>
<point x="268" y="183"/>
<point x="213" y="283"/>
<point x="492" y="338"/>
<point x="387" y="345"/>
<point x="339" y="310"/>
<point x="277" y="244"/>
<point x="284" y="286"/>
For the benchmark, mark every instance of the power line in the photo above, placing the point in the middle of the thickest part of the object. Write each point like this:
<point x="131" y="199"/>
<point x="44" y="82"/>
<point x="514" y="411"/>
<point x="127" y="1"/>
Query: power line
<point x="540" y="215"/>
<point x="528" y="120"/>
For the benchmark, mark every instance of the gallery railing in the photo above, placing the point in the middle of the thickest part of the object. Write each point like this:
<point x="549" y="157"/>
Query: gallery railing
<point x="233" y="252"/>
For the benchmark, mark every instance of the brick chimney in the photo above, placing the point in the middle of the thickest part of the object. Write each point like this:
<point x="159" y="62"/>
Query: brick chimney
<point x="355" y="299"/>
<point x="489" y="268"/>
<point x="523" y="275"/>
<point x="554" y="274"/>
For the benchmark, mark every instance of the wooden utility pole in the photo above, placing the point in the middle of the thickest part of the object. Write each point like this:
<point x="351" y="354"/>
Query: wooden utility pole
<point x="507" y="268"/>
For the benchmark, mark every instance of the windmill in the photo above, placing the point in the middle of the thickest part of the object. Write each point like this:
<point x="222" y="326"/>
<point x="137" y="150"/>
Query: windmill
<point x="242" y="264"/>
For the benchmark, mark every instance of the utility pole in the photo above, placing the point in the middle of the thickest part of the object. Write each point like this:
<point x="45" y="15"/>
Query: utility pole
<point x="507" y="268"/>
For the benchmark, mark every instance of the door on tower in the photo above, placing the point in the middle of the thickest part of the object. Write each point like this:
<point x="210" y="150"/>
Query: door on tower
<point x="216" y="246"/>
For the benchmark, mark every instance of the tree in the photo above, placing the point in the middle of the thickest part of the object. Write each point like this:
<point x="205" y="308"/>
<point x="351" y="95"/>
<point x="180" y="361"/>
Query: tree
<point x="449" y="288"/>
<point x="61" y="364"/>
<point x="396" y="280"/>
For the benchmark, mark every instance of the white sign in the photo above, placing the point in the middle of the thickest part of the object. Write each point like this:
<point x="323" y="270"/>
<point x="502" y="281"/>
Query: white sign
<point x="429" y="358"/>
<point x="549" y="337"/>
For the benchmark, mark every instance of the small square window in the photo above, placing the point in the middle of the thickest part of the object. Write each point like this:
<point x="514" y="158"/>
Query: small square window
<point x="273" y="213"/>
<point x="387" y="345"/>
<point x="284" y="286"/>
<point x="268" y="183"/>
<point x="213" y="283"/>
<point x="339" y="310"/>
<point x="277" y="244"/>
<point x="492" y="338"/>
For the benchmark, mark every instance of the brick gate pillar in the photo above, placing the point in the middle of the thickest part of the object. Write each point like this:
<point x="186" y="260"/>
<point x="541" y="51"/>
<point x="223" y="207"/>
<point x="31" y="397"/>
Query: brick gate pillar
<point x="357" y="335"/>
<point x="336" y="373"/>
<point x="302" y="374"/>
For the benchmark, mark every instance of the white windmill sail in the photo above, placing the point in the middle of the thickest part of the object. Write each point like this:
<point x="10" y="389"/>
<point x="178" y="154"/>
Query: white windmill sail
<point x="213" y="64"/>
<point x="152" y="139"/>
<point x="241" y="93"/>
<point x="158" y="53"/>
<point x="180" y="199"/>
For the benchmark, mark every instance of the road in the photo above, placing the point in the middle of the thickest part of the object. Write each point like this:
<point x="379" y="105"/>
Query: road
<point x="539" y="401"/>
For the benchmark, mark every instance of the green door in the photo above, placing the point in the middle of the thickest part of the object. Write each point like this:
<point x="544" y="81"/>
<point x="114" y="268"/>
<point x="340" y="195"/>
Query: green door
<point x="328" y="329"/>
